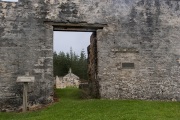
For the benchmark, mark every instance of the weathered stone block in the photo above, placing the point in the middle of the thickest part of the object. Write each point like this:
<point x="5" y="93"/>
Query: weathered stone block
<point x="147" y="29"/>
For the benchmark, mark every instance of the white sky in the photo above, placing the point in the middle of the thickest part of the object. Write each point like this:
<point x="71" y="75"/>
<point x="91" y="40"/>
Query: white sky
<point x="10" y="0"/>
<point x="77" y="40"/>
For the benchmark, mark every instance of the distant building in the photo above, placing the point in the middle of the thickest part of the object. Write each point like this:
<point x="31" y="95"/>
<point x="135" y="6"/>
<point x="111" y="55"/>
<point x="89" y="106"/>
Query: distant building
<point x="69" y="80"/>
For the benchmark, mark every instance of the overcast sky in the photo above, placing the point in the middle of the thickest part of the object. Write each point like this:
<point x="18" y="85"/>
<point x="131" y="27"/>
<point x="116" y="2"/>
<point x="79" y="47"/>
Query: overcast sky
<point x="10" y="0"/>
<point x="77" y="40"/>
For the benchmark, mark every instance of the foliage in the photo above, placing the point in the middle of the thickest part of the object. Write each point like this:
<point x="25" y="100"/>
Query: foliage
<point x="63" y="61"/>
<point x="70" y="107"/>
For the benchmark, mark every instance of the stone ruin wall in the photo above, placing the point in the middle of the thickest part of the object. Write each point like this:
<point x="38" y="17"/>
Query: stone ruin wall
<point x="142" y="32"/>
<point x="64" y="82"/>
<point x="25" y="46"/>
<point x="93" y="82"/>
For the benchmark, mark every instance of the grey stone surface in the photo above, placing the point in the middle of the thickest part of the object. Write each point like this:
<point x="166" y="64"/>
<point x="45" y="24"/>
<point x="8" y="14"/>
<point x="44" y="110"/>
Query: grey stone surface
<point x="151" y="27"/>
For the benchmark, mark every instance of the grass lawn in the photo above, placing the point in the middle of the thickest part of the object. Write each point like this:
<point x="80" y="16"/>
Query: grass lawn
<point x="70" y="107"/>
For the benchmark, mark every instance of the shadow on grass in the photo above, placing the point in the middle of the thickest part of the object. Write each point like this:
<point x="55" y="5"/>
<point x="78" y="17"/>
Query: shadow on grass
<point x="68" y="93"/>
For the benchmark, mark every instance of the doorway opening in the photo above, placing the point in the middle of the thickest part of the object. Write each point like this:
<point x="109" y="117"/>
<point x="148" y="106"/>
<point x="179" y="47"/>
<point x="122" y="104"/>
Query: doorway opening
<point x="75" y="60"/>
<point x="70" y="57"/>
<point x="92" y="84"/>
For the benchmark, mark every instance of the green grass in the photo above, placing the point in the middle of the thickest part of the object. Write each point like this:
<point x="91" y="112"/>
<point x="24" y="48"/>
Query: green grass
<point x="70" y="107"/>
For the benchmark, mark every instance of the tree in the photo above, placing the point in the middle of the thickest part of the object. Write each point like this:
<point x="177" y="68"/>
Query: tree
<point x="62" y="62"/>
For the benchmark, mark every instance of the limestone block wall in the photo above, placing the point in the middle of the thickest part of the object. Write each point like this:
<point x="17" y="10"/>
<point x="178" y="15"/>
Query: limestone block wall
<point x="141" y="33"/>
<point x="59" y="82"/>
<point x="138" y="51"/>
<point x="92" y="67"/>
<point x="25" y="46"/>
<point x="64" y="82"/>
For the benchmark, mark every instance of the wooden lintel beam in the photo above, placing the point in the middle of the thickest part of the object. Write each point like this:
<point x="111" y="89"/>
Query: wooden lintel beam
<point x="77" y="25"/>
<point x="74" y="29"/>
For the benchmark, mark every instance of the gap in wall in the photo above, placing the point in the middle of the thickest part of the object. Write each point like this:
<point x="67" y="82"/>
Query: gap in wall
<point x="70" y="57"/>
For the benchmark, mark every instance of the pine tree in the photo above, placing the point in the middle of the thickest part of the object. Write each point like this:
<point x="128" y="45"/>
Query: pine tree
<point x="62" y="62"/>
